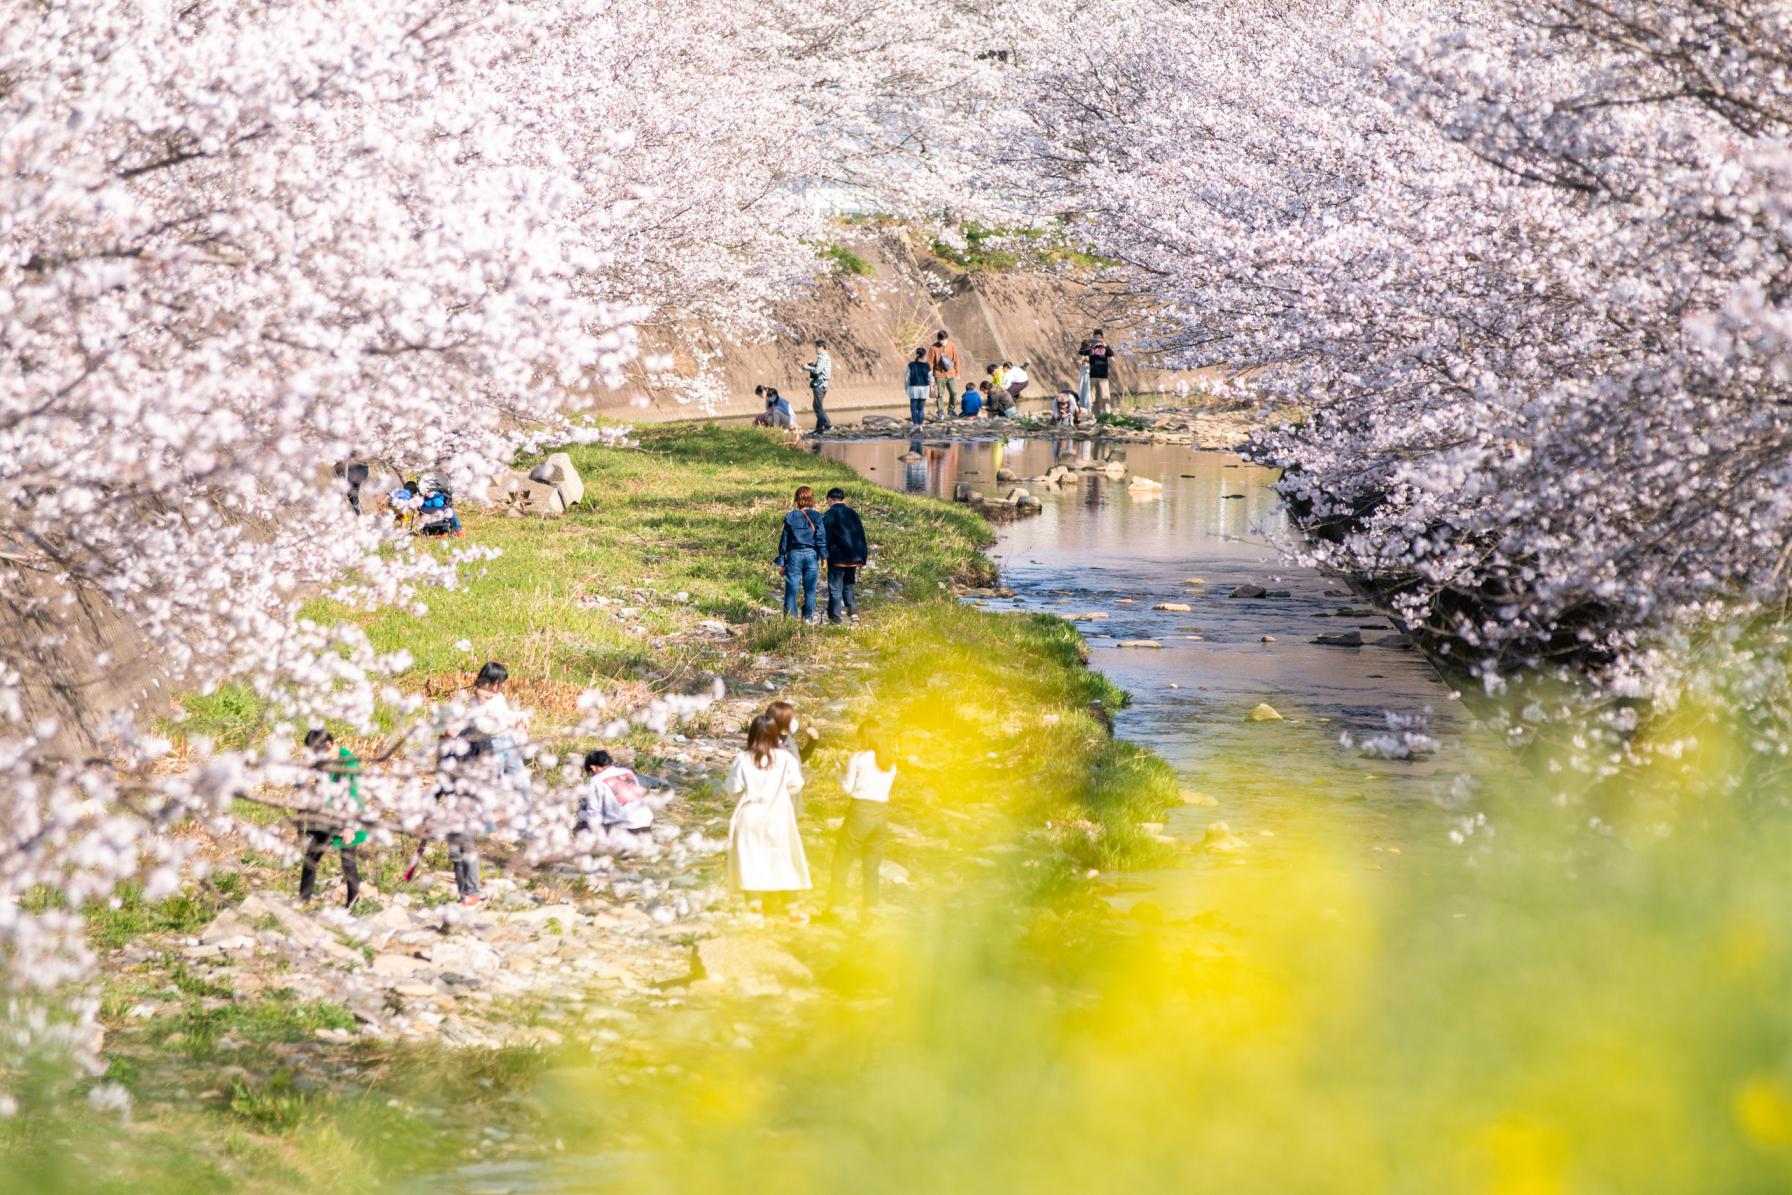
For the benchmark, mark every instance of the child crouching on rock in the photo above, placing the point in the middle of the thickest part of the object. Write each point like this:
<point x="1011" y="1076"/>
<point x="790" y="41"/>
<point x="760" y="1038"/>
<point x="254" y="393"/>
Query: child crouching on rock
<point x="765" y="849"/>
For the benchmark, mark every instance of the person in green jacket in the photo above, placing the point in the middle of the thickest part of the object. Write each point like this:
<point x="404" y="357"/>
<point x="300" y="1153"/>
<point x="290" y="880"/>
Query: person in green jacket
<point x="341" y="766"/>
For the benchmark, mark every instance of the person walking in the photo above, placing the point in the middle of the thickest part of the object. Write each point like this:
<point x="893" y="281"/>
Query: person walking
<point x="801" y="543"/>
<point x="847" y="553"/>
<point x="944" y="359"/>
<point x="1101" y="362"/>
<point x="920" y="379"/>
<point x="821" y="373"/>
<point x="870" y="774"/>
<point x="340" y="765"/>
<point x="765" y="848"/>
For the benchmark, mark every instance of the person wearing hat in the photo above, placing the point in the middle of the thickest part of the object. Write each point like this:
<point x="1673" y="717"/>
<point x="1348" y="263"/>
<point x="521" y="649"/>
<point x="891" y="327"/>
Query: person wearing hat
<point x="821" y="372"/>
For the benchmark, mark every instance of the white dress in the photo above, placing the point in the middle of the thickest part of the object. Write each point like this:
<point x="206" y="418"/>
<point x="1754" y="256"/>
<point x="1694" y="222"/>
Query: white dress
<point x="765" y="850"/>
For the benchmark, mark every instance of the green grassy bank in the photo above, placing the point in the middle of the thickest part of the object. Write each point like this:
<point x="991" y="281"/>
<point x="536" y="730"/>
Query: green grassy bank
<point x="1011" y="791"/>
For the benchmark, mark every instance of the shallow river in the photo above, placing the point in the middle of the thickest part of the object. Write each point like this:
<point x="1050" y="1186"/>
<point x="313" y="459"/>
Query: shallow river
<point x="1103" y="547"/>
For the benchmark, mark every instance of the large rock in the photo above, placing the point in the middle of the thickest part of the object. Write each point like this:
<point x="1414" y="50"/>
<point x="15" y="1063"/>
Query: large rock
<point x="1220" y="839"/>
<point x="747" y="963"/>
<point x="466" y="956"/>
<point x="1347" y="639"/>
<point x="1263" y="712"/>
<point x="538" y="498"/>
<point x="558" y="472"/>
<point x="1249" y="591"/>
<point x="1174" y="607"/>
<point x="296" y="927"/>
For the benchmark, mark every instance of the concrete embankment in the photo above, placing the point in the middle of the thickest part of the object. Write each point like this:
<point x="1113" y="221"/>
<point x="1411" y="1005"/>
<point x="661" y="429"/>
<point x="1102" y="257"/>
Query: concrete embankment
<point x="874" y="322"/>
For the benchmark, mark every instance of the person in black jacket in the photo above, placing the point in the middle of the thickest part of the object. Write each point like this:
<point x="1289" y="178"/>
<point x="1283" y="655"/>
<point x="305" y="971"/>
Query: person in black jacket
<point x="846" y="555"/>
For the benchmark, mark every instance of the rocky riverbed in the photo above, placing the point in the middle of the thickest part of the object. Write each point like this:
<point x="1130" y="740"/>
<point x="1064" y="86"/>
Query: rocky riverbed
<point x="1199" y="427"/>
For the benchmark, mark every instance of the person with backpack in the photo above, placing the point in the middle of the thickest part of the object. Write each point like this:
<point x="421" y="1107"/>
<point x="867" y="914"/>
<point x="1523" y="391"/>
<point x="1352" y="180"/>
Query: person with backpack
<point x="944" y="359"/>
<point x="920" y="378"/>
<point x="801" y="544"/>
<point x="319" y="832"/>
<point x="1101" y="362"/>
<point x="870" y="774"/>
<point x="821" y="373"/>
<point x="613" y="796"/>
<point x="765" y="848"/>
<point x="847" y="553"/>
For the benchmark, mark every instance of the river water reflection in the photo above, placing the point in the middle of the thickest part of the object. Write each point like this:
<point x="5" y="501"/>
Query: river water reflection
<point x="1104" y="547"/>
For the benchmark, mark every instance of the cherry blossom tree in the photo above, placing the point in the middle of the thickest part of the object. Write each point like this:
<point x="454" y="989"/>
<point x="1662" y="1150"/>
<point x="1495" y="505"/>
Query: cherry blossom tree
<point x="1520" y="267"/>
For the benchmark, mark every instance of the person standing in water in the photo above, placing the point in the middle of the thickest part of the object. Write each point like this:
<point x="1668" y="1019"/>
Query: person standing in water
<point x="765" y="849"/>
<point x="821" y="375"/>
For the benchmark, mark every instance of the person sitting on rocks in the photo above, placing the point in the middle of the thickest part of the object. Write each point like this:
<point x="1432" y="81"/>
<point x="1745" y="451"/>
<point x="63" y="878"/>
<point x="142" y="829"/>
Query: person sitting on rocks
<point x="973" y="401"/>
<point x="320" y="830"/>
<point x="998" y="401"/>
<point x="613" y="796"/>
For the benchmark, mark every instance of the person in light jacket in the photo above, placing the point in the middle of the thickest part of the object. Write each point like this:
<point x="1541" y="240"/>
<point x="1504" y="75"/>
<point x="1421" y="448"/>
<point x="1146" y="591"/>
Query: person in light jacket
<point x="765" y="849"/>
<point x="821" y="374"/>
<point x="802" y="545"/>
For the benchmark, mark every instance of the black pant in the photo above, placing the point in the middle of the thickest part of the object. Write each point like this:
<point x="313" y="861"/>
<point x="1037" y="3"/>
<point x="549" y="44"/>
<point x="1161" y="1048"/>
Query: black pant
<point x="822" y="422"/>
<point x="862" y="837"/>
<point x="317" y="841"/>
<point x="841" y="581"/>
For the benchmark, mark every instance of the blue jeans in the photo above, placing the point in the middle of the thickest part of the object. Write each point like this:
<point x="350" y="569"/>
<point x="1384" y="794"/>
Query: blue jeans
<point x="803" y="567"/>
<point x="841" y="582"/>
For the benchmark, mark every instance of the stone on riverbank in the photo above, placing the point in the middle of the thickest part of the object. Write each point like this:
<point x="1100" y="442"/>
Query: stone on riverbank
<point x="1263" y="712"/>
<point x="1137" y="643"/>
<point x="1220" y="839"/>
<point x="557" y="470"/>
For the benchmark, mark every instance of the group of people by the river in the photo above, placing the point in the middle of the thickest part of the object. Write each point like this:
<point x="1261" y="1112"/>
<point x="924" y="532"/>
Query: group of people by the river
<point x="937" y="374"/>
<point x="766" y="859"/>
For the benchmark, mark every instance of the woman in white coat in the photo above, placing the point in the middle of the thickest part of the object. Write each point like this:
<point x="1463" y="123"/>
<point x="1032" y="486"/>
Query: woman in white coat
<point x="765" y="850"/>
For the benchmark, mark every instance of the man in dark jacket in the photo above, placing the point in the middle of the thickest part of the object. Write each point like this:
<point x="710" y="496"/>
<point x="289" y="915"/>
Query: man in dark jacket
<point x="847" y="553"/>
